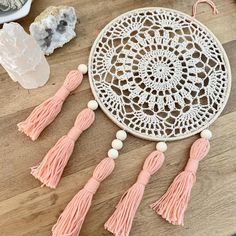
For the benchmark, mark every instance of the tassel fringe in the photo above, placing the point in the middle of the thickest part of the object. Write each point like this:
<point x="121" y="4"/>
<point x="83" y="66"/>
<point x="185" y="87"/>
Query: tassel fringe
<point x="120" y="222"/>
<point x="71" y="220"/>
<point x="49" y="171"/>
<point x="172" y="205"/>
<point x="45" y="113"/>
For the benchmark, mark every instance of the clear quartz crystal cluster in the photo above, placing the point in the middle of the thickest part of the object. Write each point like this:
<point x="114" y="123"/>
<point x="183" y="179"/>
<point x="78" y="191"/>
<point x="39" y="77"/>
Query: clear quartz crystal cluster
<point x="54" y="27"/>
<point x="22" y="58"/>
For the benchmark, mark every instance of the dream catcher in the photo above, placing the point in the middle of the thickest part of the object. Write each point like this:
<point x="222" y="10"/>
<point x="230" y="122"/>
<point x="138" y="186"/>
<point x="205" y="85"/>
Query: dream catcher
<point x="160" y="75"/>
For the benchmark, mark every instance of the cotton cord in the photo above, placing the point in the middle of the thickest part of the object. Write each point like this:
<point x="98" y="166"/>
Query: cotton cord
<point x="72" y="218"/>
<point x="120" y="222"/>
<point x="210" y="2"/>
<point x="172" y="205"/>
<point x="49" y="171"/>
<point x="45" y="113"/>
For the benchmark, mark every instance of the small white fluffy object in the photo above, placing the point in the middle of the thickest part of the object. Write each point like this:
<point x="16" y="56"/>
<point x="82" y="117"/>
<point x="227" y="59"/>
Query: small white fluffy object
<point x="54" y="27"/>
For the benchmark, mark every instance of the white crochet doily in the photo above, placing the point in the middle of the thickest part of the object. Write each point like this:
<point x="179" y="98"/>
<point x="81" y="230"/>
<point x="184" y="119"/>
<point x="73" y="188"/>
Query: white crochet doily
<point x="159" y="74"/>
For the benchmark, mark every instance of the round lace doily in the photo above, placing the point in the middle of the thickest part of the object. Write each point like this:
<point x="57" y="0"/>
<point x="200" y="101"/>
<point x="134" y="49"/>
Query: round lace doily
<point x="159" y="74"/>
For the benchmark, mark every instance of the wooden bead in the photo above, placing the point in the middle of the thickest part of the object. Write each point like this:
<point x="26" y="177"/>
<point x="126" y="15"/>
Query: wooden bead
<point x="93" y="105"/>
<point x="113" y="153"/>
<point x="83" y="68"/>
<point x="121" y="135"/>
<point x="161" y="146"/>
<point x="206" y="133"/>
<point x="117" y="144"/>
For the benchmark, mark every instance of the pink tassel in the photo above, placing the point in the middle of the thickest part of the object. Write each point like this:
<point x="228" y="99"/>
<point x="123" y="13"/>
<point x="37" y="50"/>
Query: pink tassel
<point x="46" y="112"/>
<point x="49" y="171"/>
<point x="172" y="205"/>
<point x="120" y="222"/>
<point x="72" y="218"/>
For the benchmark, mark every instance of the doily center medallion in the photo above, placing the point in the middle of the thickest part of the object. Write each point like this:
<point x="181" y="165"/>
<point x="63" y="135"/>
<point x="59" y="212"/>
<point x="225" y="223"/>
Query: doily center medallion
<point x="159" y="74"/>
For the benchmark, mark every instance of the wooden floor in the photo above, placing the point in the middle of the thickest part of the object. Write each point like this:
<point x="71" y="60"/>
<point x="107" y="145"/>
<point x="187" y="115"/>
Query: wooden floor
<point x="26" y="209"/>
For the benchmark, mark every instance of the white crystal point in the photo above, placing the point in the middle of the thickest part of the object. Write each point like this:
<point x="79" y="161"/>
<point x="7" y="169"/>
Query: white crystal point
<point x="54" y="27"/>
<point x="22" y="58"/>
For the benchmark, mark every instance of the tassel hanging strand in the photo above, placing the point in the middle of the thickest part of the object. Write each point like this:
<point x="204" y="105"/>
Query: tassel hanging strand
<point x="172" y="205"/>
<point x="49" y="171"/>
<point x="120" y="222"/>
<point x="210" y="2"/>
<point x="71" y="220"/>
<point x="45" y="113"/>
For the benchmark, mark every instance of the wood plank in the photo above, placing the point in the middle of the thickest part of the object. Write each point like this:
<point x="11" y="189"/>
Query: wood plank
<point x="93" y="17"/>
<point x="215" y="181"/>
<point x="26" y="209"/>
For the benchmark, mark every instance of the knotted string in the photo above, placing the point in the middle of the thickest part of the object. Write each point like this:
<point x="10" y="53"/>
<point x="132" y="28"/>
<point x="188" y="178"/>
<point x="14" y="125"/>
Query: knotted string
<point x="210" y="2"/>
<point x="92" y="185"/>
<point x="143" y="177"/>
<point x="62" y="93"/>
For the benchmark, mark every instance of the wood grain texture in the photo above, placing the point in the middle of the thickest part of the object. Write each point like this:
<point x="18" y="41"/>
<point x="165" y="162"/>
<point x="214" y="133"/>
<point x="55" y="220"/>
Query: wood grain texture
<point x="26" y="209"/>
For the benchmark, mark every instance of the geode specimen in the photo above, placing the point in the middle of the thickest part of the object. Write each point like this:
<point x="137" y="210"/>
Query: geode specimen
<point x="54" y="27"/>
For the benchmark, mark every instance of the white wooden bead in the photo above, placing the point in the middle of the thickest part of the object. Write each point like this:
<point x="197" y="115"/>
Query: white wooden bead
<point x="121" y="135"/>
<point x="93" y="105"/>
<point x="83" y="68"/>
<point x="206" y="133"/>
<point x="161" y="146"/>
<point x="113" y="153"/>
<point x="117" y="144"/>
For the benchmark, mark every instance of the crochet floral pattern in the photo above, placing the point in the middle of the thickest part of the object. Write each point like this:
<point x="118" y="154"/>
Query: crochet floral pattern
<point x="159" y="74"/>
